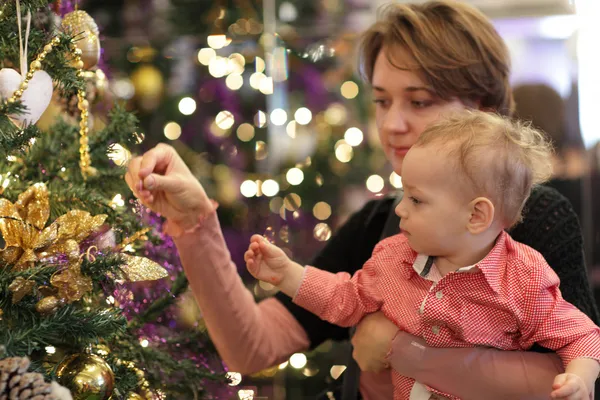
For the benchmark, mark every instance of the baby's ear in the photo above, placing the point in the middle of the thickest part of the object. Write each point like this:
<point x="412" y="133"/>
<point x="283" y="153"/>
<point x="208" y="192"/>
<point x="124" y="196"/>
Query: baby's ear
<point x="482" y="215"/>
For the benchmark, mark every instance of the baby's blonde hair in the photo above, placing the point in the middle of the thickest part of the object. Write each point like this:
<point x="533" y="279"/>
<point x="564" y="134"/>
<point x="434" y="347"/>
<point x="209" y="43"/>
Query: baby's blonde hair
<point x="501" y="158"/>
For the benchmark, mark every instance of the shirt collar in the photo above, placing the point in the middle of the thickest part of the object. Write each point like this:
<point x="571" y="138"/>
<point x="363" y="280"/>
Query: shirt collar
<point x="492" y="265"/>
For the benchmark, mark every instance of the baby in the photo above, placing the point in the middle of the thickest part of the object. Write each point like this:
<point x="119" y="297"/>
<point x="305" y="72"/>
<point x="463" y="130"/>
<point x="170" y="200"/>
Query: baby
<point x="453" y="276"/>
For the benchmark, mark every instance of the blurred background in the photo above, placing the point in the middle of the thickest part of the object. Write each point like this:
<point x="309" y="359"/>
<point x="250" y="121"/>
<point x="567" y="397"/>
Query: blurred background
<point x="263" y="101"/>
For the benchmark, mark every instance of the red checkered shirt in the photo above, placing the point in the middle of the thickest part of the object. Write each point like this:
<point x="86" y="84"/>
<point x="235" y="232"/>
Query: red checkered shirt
<point x="509" y="300"/>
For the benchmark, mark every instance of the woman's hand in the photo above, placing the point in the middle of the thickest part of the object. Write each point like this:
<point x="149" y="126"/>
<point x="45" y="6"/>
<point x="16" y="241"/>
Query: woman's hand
<point x="372" y="342"/>
<point x="162" y="182"/>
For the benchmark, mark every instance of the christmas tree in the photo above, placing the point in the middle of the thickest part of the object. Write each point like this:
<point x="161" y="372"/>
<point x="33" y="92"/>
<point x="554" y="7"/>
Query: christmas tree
<point x="89" y="284"/>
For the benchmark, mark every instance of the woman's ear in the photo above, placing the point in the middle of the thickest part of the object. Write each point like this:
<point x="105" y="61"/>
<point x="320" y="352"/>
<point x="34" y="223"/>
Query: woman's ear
<point x="482" y="215"/>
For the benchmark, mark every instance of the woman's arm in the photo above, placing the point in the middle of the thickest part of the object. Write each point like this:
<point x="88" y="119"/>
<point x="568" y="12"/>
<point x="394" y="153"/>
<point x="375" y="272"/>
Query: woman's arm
<point x="476" y="373"/>
<point x="469" y="373"/>
<point x="248" y="336"/>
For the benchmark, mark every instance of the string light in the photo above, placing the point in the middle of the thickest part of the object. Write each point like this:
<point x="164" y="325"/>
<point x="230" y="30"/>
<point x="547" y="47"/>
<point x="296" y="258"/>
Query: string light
<point x="278" y="116"/>
<point x="292" y="202"/>
<point x="218" y="41"/>
<point x="270" y="188"/>
<point x="396" y="180"/>
<point x="235" y="378"/>
<point x="256" y="80"/>
<point x="245" y="132"/>
<point x="336" y="114"/>
<point x="353" y="136"/>
<point x="234" y="81"/>
<point x="246" y="394"/>
<point x="261" y="150"/>
<point x="322" y="211"/>
<point x="217" y="67"/>
<point x="290" y="129"/>
<point x="259" y="64"/>
<point x="172" y="131"/>
<point x="187" y="106"/>
<point x="298" y="360"/>
<point x="303" y="116"/>
<point x="260" y="119"/>
<point x="337" y="370"/>
<point x="225" y="119"/>
<point x="248" y="188"/>
<point x="343" y="151"/>
<point x="349" y="89"/>
<point x="375" y="183"/>
<point x="294" y="176"/>
<point x="205" y="55"/>
<point x="117" y="201"/>
<point x="322" y="232"/>
<point x="266" y="85"/>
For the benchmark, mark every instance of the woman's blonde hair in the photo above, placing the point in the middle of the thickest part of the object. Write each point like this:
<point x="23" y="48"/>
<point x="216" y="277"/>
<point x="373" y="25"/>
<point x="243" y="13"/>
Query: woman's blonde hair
<point x="455" y="47"/>
<point x="501" y="159"/>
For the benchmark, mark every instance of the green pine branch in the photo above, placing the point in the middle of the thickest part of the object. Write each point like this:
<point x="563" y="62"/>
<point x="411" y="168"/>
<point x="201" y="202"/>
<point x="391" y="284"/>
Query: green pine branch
<point x="70" y="326"/>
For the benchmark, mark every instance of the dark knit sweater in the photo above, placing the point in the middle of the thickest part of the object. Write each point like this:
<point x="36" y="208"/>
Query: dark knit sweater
<point x="549" y="225"/>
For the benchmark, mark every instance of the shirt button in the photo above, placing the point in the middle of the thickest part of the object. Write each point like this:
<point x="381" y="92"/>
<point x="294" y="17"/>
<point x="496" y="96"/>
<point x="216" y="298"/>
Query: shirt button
<point x="435" y="329"/>
<point x="439" y="294"/>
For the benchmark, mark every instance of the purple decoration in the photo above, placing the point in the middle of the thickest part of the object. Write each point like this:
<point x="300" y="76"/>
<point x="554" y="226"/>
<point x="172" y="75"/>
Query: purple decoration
<point x="66" y="6"/>
<point x="136" y="297"/>
<point x="309" y="80"/>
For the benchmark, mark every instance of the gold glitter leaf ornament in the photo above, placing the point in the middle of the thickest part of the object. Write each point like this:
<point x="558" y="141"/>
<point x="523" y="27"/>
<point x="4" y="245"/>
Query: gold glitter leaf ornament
<point x="142" y="269"/>
<point x="71" y="283"/>
<point x="20" y="287"/>
<point x="22" y="226"/>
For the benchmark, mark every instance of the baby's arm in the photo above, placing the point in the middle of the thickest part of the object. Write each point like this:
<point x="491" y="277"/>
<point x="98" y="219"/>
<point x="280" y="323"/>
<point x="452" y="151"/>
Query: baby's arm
<point x="269" y="263"/>
<point x="337" y="298"/>
<point x="578" y="380"/>
<point x="550" y="321"/>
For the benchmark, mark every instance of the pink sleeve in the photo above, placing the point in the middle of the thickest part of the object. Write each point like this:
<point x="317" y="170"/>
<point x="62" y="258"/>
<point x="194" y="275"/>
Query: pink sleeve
<point x="550" y="321"/>
<point x="248" y="336"/>
<point x="338" y="298"/>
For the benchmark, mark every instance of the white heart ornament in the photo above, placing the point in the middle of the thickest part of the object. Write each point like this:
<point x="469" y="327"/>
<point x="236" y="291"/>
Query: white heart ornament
<point x="36" y="97"/>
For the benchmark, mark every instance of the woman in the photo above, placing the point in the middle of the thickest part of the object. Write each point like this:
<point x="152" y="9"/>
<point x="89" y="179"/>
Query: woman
<point x="421" y="61"/>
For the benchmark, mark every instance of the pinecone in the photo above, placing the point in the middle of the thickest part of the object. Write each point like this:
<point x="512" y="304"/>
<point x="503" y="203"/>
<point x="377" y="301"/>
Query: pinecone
<point x="18" y="384"/>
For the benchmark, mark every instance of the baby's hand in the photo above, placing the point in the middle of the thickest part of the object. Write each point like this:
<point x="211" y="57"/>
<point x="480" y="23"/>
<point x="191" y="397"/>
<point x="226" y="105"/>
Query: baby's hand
<point x="265" y="261"/>
<point x="569" y="387"/>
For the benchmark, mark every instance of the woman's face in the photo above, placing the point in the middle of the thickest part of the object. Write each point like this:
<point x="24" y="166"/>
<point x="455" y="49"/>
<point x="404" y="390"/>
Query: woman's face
<point x="405" y="105"/>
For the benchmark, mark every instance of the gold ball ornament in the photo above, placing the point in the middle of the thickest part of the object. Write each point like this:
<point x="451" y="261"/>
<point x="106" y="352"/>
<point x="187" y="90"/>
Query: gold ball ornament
<point x="84" y="30"/>
<point x="133" y="396"/>
<point x="87" y="376"/>
<point x="149" y="85"/>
